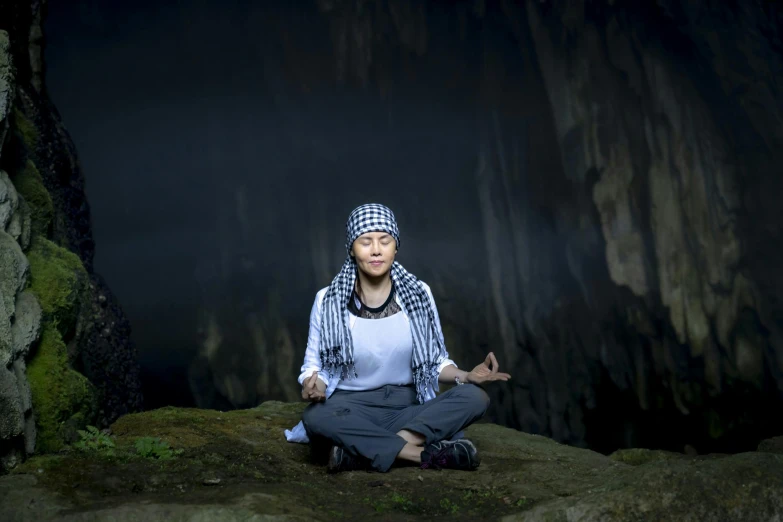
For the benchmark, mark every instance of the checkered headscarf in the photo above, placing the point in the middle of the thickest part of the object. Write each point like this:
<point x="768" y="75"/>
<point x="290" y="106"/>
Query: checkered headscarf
<point x="336" y="342"/>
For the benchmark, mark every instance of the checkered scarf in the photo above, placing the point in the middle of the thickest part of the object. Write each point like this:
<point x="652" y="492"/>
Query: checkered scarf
<point x="336" y="342"/>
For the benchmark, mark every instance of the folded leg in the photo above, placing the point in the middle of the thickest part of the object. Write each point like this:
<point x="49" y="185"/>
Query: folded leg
<point x="352" y="425"/>
<point x="445" y="415"/>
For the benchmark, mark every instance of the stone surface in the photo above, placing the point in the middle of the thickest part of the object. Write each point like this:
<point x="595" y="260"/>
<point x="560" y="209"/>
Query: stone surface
<point x="14" y="270"/>
<point x="628" y="190"/>
<point x="11" y="409"/>
<point x="6" y="82"/>
<point x="237" y="466"/>
<point x="27" y="324"/>
<point x="773" y="445"/>
<point x="9" y="200"/>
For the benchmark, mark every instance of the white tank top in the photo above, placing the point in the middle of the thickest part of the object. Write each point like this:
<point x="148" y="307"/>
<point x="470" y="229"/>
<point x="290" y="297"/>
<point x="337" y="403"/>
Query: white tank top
<point x="382" y="352"/>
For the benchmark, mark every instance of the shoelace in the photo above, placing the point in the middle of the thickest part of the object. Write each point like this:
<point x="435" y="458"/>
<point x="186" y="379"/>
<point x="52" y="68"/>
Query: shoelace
<point x="437" y="461"/>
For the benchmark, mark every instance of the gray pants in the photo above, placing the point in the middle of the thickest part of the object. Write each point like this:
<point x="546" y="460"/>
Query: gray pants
<point x="366" y="422"/>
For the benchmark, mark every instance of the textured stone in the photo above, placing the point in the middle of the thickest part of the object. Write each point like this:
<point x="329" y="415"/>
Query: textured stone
<point x="773" y="445"/>
<point x="14" y="271"/>
<point x="20" y="227"/>
<point x="251" y="469"/>
<point x="11" y="409"/>
<point x="27" y="324"/>
<point x="26" y="404"/>
<point x="6" y="80"/>
<point x="25" y="399"/>
<point x="9" y="200"/>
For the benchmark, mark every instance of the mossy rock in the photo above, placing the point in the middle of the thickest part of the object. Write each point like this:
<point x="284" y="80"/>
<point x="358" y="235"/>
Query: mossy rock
<point x="58" y="279"/>
<point x="30" y="185"/>
<point x="25" y="129"/>
<point x="237" y="466"/>
<point x="63" y="399"/>
<point x="639" y="456"/>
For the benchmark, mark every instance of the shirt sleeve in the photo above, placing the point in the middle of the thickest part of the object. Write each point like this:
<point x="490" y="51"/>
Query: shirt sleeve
<point x="312" y="358"/>
<point x="445" y="360"/>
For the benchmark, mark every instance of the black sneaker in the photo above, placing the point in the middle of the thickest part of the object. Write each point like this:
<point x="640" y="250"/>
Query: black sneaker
<point x="341" y="460"/>
<point x="451" y="454"/>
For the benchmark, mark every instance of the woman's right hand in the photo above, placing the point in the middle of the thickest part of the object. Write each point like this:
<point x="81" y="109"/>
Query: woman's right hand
<point x="314" y="389"/>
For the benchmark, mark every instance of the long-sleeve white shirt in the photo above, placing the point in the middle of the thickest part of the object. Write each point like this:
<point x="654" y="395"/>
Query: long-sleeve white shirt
<point x="385" y="375"/>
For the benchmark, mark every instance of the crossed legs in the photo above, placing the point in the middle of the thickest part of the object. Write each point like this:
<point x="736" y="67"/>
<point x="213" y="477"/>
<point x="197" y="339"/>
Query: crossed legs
<point x="386" y="424"/>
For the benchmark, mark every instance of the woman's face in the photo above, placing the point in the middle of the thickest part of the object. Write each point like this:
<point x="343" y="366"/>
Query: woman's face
<point x="374" y="253"/>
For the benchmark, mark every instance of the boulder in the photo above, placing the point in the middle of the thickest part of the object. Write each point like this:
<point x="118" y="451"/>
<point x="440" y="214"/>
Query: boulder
<point x="237" y="466"/>
<point x="11" y="411"/>
<point x="27" y="324"/>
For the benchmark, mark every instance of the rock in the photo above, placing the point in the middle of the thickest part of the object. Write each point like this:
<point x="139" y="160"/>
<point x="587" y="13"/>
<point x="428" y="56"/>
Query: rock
<point x="773" y="445"/>
<point x="30" y="432"/>
<point x="108" y="355"/>
<point x="32" y="502"/>
<point x="27" y="323"/>
<point x="14" y="227"/>
<point x="6" y="85"/>
<point x="522" y="477"/>
<point x="9" y="200"/>
<point x="29" y="185"/>
<point x="747" y="486"/>
<point x="11" y="407"/>
<point x="58" y="279"/>
<point x="638" y="456"/>
<point x="25" y="398"/>
<point x="14" y="269"/>
<point x="64" y="400"/>
<point x="13" y="276"/>
<point x="6" y="337"/>
<point x="25" y="218"/>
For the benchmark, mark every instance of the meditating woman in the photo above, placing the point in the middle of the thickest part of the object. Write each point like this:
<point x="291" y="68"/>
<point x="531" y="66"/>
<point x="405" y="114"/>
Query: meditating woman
<point x="375" y="355"/>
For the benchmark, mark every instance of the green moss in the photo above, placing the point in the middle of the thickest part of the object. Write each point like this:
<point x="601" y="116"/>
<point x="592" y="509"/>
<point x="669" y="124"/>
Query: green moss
<point x="25" y="129"/>
<point x="57" y="278"/>
<point x="639" y="456"/>
<point x="29" y="184"/>
<point x="62" y="398"/>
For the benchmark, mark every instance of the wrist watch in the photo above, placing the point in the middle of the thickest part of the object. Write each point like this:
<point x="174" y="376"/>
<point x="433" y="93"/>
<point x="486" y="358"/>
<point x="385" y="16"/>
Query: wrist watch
<point x="459" y="382"/>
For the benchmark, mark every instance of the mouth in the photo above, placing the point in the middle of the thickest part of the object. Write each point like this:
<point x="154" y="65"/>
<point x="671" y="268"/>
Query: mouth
<point x="376" y="263"/>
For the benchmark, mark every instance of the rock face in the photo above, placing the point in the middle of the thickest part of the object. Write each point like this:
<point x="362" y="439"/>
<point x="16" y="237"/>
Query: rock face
<point x="54" y="312"/>
<point x="237" y="466"/>
<point x="632" y="279"/>
<point x="20" y="314"/>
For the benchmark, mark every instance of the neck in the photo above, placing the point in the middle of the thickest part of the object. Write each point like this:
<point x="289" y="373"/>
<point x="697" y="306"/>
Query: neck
<point x="373" y="291"/>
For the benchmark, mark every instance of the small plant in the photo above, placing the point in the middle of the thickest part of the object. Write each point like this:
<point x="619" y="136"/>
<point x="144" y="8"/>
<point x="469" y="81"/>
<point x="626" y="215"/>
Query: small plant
<point x="401" y="502"/>
<point x="448" y="505"/>
<point x="155" y="448"/>
<point x="92" y="439"/>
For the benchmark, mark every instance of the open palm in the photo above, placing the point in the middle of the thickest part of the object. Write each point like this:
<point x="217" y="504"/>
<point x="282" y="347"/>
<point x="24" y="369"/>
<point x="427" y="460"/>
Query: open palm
<point x="487" y="371"/>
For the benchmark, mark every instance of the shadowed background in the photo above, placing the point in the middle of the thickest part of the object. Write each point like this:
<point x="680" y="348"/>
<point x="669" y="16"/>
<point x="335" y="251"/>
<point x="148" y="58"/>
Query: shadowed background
<point x="591" y="191"/>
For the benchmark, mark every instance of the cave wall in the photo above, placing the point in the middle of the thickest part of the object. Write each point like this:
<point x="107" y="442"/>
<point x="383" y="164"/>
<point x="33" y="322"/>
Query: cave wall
<point x="656" y="112"/>
<point x="626" y="177"/>
<point x="64" y="342"/>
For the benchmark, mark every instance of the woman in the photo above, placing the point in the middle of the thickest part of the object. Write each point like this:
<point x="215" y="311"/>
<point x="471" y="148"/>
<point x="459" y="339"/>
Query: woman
<point x="374" y="358"/>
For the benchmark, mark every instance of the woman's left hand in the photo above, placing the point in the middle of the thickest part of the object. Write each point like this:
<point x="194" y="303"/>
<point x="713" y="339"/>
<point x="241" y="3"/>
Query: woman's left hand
<point x="487" y="371"/>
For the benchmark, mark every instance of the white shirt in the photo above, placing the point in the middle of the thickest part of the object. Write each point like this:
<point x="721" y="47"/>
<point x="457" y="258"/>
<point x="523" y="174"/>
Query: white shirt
<point x="371" y="348"/>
